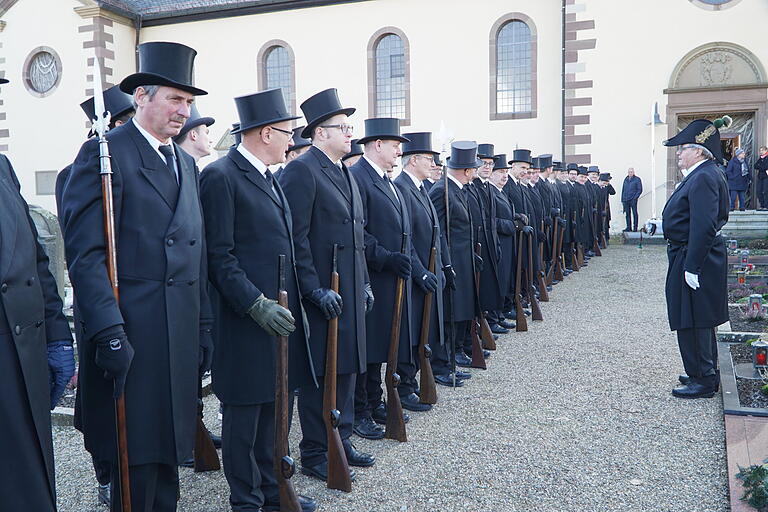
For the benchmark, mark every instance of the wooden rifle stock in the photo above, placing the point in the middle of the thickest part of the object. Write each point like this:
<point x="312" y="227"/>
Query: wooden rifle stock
<point x="535" y="309"/>
<point x="485" y="330"/>
<point x="553" y="236"/>
<point x="559" y="255"/>
<point x="543" y="293"/>
<point x="338" y="467"/>
<point x="395" y="427"/>
<point x="520" y="321"/>
<point x="478" y="361"/>
<point x="206" y="457"/>
<point x="284" y="466"/>
<point x="426" y="377"/>
<point x="595" y="244"/>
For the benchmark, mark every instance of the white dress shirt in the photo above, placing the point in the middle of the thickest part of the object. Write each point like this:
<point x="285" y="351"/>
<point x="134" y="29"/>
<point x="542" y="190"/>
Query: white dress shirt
<point x="155" y="143"/>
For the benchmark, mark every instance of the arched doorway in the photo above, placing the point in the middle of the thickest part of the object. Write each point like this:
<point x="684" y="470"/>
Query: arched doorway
<point x="713" y="80"/>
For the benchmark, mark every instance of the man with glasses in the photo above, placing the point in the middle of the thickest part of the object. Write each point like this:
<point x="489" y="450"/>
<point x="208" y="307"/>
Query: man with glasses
<point x="327" y="210"/>
<point x="697" y="273"/>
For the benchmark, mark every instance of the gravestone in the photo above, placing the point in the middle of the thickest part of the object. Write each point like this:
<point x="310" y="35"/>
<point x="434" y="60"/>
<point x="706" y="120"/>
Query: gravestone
<point x="50" y="237"/>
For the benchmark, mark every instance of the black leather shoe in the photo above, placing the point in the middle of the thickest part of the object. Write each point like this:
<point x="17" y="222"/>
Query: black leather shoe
<point x="307" y="504"/>
<point x="462" y="375"/>
<point x="507" y="324"/>
<point x="380" y="415"/>
<point x="495" y="337"/>
<point x="215" y="439"/>
<point x="447" y="380"/>
<point x="694" y="390"/>
<point x="189" y="463"/>
<point x="510" y="315"/>
<point x="497" y="329"/>
<point x="486" y="354"/>
<point x="590" y="254"/>
<point x="358" y="458"/>
<point x="685" y="380"/>
<point x="463" y="361"/>
<point x="367" y="429"/>
<point x="549" y="288"/>
<point x="411" y="402"/>
<point x="320" y="471"/>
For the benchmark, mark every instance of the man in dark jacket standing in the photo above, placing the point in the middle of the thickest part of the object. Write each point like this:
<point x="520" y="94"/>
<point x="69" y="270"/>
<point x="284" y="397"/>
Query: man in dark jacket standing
<point x="327" y="210"/>
<point x="696" y="279"/>
<point x="761" y="166"/>
<point x="739" y="177"/>
<point x="630" y="192"/>
<point x="248" y="226"/>
<point x="163" y="314"/>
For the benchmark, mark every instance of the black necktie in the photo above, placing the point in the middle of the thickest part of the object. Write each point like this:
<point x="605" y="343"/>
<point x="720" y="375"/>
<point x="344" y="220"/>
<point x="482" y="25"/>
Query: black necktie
<point x="170" y="160"/>
<point x="423" y="191"/>
<point x="271" y="181"/>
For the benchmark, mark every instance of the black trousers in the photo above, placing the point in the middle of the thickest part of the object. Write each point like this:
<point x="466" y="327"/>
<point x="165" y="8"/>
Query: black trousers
<point x="630" y="212"/>
<point x="407" y="372"/>
<point x="441" y="354"/>
<point x="368" y="391"/>
<point x="154" y="488"/>
<point x="698" y="350"/>
<point x="103" y="469"/>
<point x="313" y="446"/>
<point x="762" y="192"/>
<point x="247" y="451"/>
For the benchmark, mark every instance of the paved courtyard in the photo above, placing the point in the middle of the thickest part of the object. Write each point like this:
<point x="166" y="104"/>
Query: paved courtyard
<point x="574" y="415"/>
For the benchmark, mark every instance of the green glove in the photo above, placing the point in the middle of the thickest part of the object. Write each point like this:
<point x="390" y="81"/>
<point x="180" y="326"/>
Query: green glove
<point x="272" y="317"/>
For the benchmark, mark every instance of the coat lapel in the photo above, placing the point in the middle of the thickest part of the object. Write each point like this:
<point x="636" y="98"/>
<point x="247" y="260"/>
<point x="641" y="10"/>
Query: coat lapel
<point x="154" y="170"/>
<point x="381" y="184"/>
<point x="9" y="220"/>
<point x="329" y="168"/>
<point x="188" y="192"/>
<point x="254" y="176"/>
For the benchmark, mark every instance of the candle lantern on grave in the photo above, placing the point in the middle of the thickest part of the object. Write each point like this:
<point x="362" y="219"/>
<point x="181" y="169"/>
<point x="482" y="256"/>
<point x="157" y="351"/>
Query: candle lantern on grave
<point x="756" y="303"/>
<point x="741" y="276"/>
<point x="733" y="245"/>
<point x="760" y="354"/>
<point x="745" y="256"/>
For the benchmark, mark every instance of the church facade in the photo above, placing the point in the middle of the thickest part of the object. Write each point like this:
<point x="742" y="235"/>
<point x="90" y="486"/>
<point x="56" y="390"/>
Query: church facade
<point x="580" y="79"/>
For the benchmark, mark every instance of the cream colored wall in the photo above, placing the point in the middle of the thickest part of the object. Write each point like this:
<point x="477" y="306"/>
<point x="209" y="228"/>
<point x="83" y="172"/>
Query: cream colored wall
<point x="45" y="133"/>
<point x="637" y="51"/>
<point x="125" y="54"/>
<point x="449" y="62"/>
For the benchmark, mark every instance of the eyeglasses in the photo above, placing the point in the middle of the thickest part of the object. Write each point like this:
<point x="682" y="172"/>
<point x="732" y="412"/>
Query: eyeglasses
<point x="487" y="164"/>
<point x="287" y="132"/>
<point x="425" y="157"/>
<point x="346" y="129"/>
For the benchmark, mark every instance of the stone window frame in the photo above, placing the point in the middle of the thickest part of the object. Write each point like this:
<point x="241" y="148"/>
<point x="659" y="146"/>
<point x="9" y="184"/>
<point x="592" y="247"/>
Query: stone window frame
<point x="25" y="71"/>
<point x="41" y="177"/>
<point x="373" y="42"/>
<point x="712" y="7"/>
<point x="492" y="43"/>
<point x="261" y="59"/>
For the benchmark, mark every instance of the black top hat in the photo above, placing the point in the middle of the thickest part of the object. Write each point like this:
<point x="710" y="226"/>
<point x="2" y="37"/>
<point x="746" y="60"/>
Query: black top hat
<point x="521" y="155"/>
<point x="582" y="170"/>
<point x="572" y="167"/>
<point x="558" y="166"/>
<point x="160" y="63"/>
<point x="299" y="141"/>
<point x="535" y="163"/>
<point x="605" y="176"/>
<point x="704" y="133"/>
<point x="463" y="155"/>
<point x="436" y="159"/>
<point x="485" y="151"/>
<point x="195" y="120"/>
<point x="262" y="108"/>
<point x="500" y="162"/>
<point x="594" y="168"/>
<point x="384" y="128"/>
<point x="320" y="107"/>
<point x="545" y="161"/>
<point x="355" y="150"/>
<point x="418" y="143"/>
<point x="236" y="133"/>
<point x="116" y="102"/>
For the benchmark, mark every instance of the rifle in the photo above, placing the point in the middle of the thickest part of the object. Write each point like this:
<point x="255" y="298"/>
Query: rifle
<point x="485" y="330"/>
<point x="451" y="325"/>
<point x="543" y="294"/>
<point x="478" y="361"/>
<point x="535" y="309"/>
<point x="595" y="245"/>
<point x="553" y="256"/>
<point x="560" y="263"/>
<point x="206" y="458"/>
<point x="395" y="427"/>
<point x="426" y="377"/>
<point x="100" y="126"/>
<point x="284" y="465"/>
<point x="521" y="322"/>
<point x="338" y="467"/>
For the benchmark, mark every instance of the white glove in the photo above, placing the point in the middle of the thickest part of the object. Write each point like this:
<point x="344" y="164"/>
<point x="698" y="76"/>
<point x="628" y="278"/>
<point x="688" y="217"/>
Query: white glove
<point x="692" y="280"/>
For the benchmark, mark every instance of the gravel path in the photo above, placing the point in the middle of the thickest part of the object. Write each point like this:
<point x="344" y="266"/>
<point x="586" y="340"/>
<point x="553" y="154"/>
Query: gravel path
<point x="574" y="415"/>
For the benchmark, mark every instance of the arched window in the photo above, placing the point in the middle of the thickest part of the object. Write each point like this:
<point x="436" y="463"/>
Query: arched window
<point x="276" y="69"/>
<point x="513" y="68"/>
<point x="389" y="75"/>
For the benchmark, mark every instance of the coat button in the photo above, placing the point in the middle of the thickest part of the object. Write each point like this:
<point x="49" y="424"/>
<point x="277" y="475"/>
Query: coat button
<point x="170" y="282"/>
<point x="30" y="281"/>
<point x="17" y="330"/>
<point x="192" y="242"/>
<point x="169" y="242"/>
<point x="4" y="288"/>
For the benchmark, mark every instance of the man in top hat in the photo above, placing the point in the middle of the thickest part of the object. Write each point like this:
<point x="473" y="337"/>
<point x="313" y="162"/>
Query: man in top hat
<point x="697" y="301"/>
<point x="518" y="196"/>
<point x="36" y="356"/>
<point x="300" y="145"/>
<point x="607" y="190"/>
<point x="426" y="233"/>
<point x="593" y="173"/>
<point x="454" y="211"/>
<point x="161" y="328"/>
<point x="585" y="213"/>
<point x="388" y="254"/>
<point x="194" y="136"/>
<point x="564" y="188"/>
<point x="327" y="210"/>
<point x="552" y="204"/>
<point x="248" y="226"/>
<point x="436" y="172"/>
<point x="355" y="153"/>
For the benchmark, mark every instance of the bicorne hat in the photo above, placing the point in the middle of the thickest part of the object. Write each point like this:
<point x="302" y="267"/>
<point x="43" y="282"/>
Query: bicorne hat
<point x="521" y="155"/>
<point x="168" y="64"/>
<point x="262" y="108"/>
<point x="463" y="155"/>
<point x="355" y="150"/>
<point x="195" y="120"/>
<point x="418" y="143"/>
<point x="299" y="141"/>
<point x="116" y="102"/>
<point x="500" y="162"/>
<point x="382" y="128"/>
<point x="320" y="107"/>
<point x="485" y="151"/>
<point x="3" y="81"/>
<point x="704" y="133"/>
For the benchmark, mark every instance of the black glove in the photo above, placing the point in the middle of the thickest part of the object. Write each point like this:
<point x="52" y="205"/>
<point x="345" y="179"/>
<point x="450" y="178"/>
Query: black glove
<point x="561" y="221"/>
<point x="554" y="212"/>
<point x="369" y="300"/>
<point x="541" y="235"/>
<point x="328" y="301"/>
<point x="522" y="217"/>
<point x="548" y="221"/>
<point x="478" y="262"/>
<point x="206" y="350"/>
<point x="528" y="230"/>
<point x="61" y="368"/>
<point x="114" y="355"/>
<point x="427" y="282"/>
<point x="594" y="211"/>
<point x="400" y="264"/>
<point x="450" y="277"/>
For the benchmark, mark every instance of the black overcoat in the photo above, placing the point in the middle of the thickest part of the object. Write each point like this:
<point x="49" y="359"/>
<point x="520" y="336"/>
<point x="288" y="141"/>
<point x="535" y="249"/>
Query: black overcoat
<point x="491" y="296"/>
<point x="505" y="226"/>
<point x="326" y="210"/>
<point x="567" y="209"/>
<point x="521" y="203"/>
<point x="461" y="246"/>
<point x="584" y="217"/>
<point x="425" y="229"/>
<point x="387" y="225"/>
<point x="247" y="226"/>
<point x="30" y="317"/>
<point x="162" y="274"/>
<point x="693" y="215"/>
